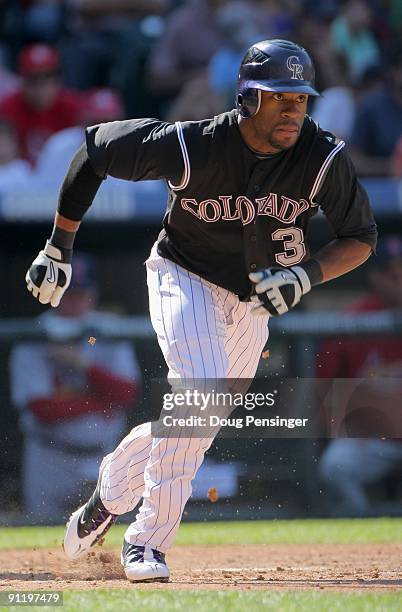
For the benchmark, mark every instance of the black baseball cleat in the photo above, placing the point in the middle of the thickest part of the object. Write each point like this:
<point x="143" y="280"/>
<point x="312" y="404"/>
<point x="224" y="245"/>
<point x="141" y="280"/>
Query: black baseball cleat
<point x="87" y="525"/>
<point x="144" y="564"/>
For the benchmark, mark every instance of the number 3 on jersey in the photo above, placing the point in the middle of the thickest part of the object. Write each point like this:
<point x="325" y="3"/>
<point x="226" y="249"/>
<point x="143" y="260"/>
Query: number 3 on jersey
<point x="293" y="244"/>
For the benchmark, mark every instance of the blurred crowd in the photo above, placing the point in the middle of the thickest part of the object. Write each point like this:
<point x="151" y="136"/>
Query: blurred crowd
<point x="65" y="64"/>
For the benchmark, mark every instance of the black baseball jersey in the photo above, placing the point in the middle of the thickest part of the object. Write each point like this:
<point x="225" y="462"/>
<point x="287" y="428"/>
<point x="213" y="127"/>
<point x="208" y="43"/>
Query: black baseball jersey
<point x="231" y="210"/>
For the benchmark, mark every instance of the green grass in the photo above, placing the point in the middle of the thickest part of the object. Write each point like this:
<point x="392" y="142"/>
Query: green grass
<point x="292" y="531"/>
<point x="328" y="531"/>
<point x="222" y="601"/>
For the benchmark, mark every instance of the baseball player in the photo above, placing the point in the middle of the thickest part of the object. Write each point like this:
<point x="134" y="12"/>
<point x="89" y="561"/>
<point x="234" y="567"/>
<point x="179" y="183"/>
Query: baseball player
<point x="232" y="252"/>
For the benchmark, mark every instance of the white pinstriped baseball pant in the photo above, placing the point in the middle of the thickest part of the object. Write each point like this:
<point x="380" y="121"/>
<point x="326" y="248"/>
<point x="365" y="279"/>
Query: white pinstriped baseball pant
<point x="204" y="331"/>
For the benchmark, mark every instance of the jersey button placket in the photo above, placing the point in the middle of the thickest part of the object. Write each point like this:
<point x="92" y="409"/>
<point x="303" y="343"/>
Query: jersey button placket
<point x="249" y="235"/>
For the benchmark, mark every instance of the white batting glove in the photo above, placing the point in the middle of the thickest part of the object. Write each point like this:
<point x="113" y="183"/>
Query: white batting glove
<point x="278" y="289"/>
<point x="50" y="275"/>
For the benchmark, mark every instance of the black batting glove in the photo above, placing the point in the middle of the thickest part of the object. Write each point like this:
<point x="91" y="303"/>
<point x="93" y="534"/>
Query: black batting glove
<point x="278" y="289"/>
<point x="50" y="274"/>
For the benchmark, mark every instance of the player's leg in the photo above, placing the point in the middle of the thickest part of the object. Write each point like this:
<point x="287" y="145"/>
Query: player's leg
<point x="119" y="489"/>
<point x="187" y="317"/>
<point x="193" y="347"/>
<point x="204" y="332"/>
<point x="121" y="476"/>
<point x="218" y="340"/>
<point x="122" y="480"/>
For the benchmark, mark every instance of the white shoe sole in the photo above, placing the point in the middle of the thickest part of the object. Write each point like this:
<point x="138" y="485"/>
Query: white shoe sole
<point x="75" y="547"/>
<point x="148" y="571"/>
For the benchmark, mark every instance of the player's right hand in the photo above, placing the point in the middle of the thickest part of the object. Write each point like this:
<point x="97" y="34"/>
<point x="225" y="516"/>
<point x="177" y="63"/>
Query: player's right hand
<point x="279" y="289"/>
<point x="50" y="274"/>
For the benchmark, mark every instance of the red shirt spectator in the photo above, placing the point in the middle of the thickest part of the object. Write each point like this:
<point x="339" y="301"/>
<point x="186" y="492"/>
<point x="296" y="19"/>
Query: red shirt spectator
<point x="40" y="107"/>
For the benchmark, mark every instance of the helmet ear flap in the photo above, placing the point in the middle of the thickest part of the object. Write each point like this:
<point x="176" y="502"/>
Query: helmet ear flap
<point x="249" y="102"/>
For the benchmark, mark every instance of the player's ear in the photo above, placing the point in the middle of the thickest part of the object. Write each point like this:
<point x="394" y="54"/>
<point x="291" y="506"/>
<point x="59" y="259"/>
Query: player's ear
<point x="248" y="102"/>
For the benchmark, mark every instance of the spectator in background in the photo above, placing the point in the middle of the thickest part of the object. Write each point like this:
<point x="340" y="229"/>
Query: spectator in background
<point x="42" y="20"/>
<point x="327" y="10"/>
<point x="11" y="29"/>
<point x="349" y="465"/>
<point x="73" y="399"/>
<point x="395" y="17"/>
<point x="313" y="32"/>
<point x="196" y="100"/>
<point x="191" y="37"/>
<point x="378" y="123"/>
<point x="335" y="110"/>
<point x="40" y="107"/>
<point x="396" y="160"/>
<point x="92" y="50"/>
<point x="9" y="82"/>
<point x="353" y="40"/>
<point x="13" y="170"/>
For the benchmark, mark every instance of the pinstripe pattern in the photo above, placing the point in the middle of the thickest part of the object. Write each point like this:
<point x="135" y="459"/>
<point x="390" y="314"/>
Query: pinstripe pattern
<point x="213" y="315"/>
<point x="204" y="332"/>
<point x="179" y="360"/>
<point x="120" y="491"/>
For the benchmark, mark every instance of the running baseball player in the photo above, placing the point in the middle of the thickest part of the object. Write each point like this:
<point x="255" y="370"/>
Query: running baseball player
<point x="243" y="187"/>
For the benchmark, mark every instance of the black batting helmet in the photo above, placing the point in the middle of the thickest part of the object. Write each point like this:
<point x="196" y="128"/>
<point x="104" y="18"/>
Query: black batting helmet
<point x="273" y="65"/>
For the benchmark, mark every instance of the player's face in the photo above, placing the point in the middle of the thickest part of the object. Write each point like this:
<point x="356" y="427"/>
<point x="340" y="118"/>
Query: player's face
<point x="279" y="119"/>
<point x="41" y="90"/>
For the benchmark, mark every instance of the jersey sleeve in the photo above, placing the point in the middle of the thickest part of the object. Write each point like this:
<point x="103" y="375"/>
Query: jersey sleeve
<point x="345" y="202"/>
<point x="135" y="150"/>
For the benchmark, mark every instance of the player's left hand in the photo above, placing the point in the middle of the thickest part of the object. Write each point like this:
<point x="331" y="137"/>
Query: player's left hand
<point x="278" y="289"/>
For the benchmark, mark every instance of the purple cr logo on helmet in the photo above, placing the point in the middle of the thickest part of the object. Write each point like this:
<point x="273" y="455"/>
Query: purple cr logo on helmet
<point x="273" y="65"/>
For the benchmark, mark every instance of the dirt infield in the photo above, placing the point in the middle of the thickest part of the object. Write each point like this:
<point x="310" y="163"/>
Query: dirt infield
<point x="279" y="566"/>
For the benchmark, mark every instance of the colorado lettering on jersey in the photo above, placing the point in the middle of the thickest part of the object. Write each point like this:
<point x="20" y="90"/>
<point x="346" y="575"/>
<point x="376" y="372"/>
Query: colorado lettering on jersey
<point x="226" y="208"/>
